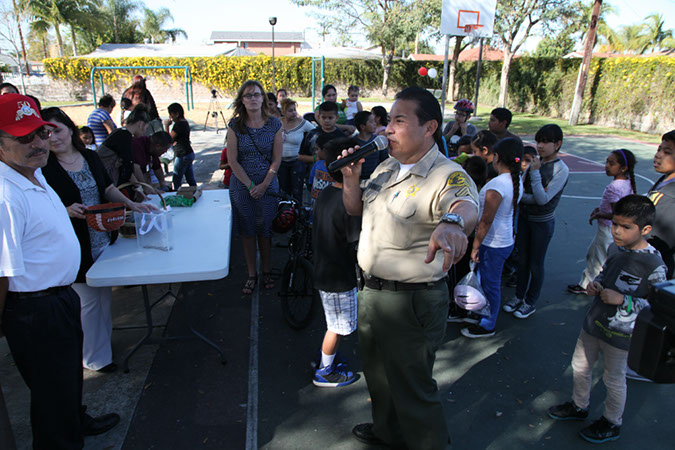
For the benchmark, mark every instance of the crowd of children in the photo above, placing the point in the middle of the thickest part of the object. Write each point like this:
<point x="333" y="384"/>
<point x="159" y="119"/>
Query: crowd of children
<point x="520" y="189"/>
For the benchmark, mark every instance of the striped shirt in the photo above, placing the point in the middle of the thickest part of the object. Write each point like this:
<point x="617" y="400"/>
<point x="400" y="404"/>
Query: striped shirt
<point x="95" y="122"/>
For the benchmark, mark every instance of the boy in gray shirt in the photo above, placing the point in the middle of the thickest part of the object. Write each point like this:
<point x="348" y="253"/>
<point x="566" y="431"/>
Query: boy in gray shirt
<point x="620" y="292"/>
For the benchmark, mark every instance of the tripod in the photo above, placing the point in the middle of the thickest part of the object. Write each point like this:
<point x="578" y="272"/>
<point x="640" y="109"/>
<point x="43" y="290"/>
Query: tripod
<point x="214" y="110"/>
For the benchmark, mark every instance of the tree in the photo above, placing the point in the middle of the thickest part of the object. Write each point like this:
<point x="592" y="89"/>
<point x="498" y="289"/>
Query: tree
<point x="9" y="32"/>
<point x="38" y="47"/>
<point x="387" y="23"/>
<point x="514" y="23"/>
<point x="459" y="47"/>
<point x="82" y="15"/>
<point x="153" y="22"/>
<point x="120" y="14"/>
<point x="654" y="32"/>
<point x="47" y="13"/>
<point x="554" y="47"/>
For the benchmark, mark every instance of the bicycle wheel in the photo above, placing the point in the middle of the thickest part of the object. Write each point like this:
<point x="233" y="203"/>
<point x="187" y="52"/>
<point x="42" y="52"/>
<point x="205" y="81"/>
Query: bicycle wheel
<point x="298" y="293"/>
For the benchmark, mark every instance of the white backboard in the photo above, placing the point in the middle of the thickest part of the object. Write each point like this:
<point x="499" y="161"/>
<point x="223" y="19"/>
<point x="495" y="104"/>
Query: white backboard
<point x="459" y="13"/>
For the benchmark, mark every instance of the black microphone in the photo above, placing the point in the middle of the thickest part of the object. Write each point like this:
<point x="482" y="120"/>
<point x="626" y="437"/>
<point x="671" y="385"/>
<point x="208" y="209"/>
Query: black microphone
<point x="379" y="143"/>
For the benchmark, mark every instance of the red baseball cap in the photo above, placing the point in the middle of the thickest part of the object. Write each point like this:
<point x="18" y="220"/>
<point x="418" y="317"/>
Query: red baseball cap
<point x="19" y="115"/>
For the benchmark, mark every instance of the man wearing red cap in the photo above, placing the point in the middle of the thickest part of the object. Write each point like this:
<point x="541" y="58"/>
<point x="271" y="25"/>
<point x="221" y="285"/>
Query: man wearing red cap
<point x="39" y="311"/>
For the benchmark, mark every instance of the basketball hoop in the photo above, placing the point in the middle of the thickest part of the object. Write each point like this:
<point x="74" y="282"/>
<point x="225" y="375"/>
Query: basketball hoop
<point x="472" y="29"/>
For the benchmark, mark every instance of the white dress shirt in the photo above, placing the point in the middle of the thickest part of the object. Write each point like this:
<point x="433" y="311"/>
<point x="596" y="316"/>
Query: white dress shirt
<point x="38" y="246"/>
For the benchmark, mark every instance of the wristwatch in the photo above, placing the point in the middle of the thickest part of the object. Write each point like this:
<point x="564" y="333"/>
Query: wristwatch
<point x="454" y="219"/>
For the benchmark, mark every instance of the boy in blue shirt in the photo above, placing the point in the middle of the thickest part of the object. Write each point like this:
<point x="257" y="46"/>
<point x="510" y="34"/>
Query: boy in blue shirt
<point x="365" y="124"/>
<point x="319" y="177"/>
<point x="632" y="267"/>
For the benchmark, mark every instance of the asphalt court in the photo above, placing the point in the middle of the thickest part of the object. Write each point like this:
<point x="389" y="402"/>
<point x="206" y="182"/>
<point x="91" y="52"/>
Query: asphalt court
<point x="495" y="391"/>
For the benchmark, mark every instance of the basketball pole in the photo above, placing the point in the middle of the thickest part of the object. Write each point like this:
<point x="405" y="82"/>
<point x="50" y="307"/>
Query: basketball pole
<point x="444" y="86"/>
<point x="478" y="70"/>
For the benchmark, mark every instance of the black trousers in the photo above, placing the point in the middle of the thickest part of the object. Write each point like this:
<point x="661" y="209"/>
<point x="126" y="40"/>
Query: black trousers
<point x="44" y="335"/>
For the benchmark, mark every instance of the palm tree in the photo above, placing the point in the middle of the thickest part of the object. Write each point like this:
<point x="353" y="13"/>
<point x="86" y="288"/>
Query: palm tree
<point x="153" y="23"/>
<point x="82" y="15"/>
<point x="654" y="32"/>
<point x="119" y="13"/>
<point x="40" y="34"/>
<point x="175" y="33"/>
<point x="47" y="13"/>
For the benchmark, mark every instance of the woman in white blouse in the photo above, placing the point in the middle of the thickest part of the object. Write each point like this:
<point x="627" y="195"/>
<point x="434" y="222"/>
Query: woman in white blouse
<point x="292" y="171"/>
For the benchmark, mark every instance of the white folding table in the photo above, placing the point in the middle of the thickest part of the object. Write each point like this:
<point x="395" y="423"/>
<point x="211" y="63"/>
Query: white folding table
<point x="200" y="251"/>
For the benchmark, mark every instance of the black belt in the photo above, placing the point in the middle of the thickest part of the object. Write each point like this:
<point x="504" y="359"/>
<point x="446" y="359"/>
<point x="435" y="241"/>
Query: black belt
<point x="388" y="285"/>
<point x="35" y="294"/>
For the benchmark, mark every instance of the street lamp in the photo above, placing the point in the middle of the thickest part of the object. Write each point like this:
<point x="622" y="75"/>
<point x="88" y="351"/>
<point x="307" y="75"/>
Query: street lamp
<point x="273" y="21"/>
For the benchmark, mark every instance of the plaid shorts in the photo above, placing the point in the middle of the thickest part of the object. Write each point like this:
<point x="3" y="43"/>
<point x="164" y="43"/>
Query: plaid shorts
<point x="340" y="309"/>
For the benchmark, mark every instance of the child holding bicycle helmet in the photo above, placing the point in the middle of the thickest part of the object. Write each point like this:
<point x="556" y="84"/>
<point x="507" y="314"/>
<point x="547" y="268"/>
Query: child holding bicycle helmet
<point x="460" y="126"/>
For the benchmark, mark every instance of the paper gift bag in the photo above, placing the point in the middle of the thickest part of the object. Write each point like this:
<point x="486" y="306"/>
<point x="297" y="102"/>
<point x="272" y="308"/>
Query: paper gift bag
<point x="154" y="229"/>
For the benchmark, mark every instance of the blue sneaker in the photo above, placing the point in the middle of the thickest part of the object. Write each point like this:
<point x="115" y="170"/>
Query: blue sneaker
<point x="524" y="311"/>
<point x="602" y="430"/>
<point x="335" y="375"/>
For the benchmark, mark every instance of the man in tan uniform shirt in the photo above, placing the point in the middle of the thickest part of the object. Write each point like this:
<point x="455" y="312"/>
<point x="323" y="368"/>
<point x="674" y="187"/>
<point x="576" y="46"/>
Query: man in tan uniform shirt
<point x="414" y="204"/>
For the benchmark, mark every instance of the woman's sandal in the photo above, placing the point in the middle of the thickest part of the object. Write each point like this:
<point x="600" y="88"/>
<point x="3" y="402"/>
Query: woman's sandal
<point x="249" y="286"/>
<point x="268" y="281"/>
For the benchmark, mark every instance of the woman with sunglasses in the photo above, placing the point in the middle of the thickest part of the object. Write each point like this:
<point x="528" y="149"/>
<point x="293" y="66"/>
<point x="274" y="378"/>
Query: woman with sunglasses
<point x="254" y="147"/>
<point x="80" y="179"/>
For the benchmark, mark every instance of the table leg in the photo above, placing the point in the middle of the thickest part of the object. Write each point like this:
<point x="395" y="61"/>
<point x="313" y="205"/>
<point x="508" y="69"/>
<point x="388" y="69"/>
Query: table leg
<point x="148" y="332"/>
<point x="209" y="342"/>
<point x="189" y="310"/>
<point x="147" y="338"/>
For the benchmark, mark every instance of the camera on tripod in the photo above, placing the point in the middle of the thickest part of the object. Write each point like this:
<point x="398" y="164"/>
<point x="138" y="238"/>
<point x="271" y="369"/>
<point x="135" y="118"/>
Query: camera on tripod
<point x="215" y="110"/>
<point x="652" y="346"/>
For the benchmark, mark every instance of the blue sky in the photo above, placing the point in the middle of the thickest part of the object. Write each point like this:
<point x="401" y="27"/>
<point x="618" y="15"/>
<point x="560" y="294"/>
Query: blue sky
<point x="200" y="17"/>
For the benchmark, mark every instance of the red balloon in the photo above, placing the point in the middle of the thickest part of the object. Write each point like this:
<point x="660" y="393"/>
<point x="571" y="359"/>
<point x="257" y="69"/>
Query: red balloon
<point x="423" y="71"/>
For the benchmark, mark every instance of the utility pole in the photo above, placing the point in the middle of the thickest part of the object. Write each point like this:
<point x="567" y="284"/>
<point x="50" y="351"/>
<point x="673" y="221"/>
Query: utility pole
<point x="585" y="64"/>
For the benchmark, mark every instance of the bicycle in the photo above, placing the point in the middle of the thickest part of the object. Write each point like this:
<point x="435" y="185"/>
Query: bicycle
<point x="297" y="281"/>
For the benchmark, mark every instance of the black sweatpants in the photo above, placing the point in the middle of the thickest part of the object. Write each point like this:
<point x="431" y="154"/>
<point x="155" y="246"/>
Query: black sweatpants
<point x="45" y="337"/>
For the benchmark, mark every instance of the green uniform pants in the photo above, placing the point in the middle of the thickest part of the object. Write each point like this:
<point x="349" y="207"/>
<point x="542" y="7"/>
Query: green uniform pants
<point x="399" y="333"/>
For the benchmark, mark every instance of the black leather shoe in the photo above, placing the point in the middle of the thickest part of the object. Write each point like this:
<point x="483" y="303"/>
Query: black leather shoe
<point x="92" y="426"/>
<point x="364" y="432"/>
<point x="110" y="368"/>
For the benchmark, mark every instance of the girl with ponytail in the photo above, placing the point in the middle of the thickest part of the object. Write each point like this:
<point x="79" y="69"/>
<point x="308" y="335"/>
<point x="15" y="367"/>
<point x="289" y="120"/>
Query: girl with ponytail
<point x="620" y="165"/>
<point x="494" y="235"/>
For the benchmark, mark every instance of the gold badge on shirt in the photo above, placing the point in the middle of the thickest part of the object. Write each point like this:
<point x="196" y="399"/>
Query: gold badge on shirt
<point x="411" y="191"/>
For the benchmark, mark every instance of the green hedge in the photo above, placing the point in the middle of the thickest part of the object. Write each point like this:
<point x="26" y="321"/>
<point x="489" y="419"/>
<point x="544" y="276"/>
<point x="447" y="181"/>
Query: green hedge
<point x="228" y="73"/>
<point x="618" y="89"/>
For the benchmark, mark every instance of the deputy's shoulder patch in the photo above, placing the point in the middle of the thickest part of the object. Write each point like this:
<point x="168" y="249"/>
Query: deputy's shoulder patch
<point x="459" y="181"/>
<point x="655" y="197"/>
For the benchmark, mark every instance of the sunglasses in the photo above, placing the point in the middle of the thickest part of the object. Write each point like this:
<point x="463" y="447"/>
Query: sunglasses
<point x="42" y="132"/>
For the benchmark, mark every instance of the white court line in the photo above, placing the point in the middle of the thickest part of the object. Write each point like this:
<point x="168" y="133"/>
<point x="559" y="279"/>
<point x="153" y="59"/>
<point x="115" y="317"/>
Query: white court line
<point x="581" y="197"/>
<point x="595" y="162"/>
<point x="252" y="404"/>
